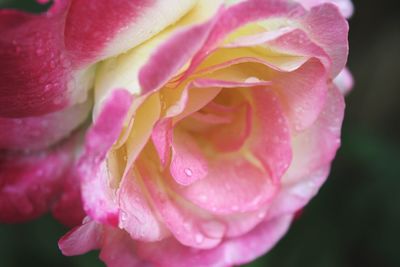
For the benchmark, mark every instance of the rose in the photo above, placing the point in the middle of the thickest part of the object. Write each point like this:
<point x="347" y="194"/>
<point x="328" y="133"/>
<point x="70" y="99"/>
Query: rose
<point x="226" y="125"/>
<point x="28" y="180"/>
<point x="48" y="64"/>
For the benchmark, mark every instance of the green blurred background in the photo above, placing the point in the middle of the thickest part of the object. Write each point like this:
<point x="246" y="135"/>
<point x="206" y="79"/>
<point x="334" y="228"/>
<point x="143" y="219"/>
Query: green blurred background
<point x="354" y="221"/>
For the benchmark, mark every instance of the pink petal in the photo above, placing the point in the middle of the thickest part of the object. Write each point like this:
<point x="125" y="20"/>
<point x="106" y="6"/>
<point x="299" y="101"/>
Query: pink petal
<point x="188" y="224"/>
<point x="118" y="250"/>
<point x="303" y="93"/>
<point x="81" y="239"/>
<point x="90" y="25"/>
<point x="98" y="197"/>
<point x="234" y="251"/>
<point x="30" y="183"/>
<point x="270" y="141"/>
<point x="172" y="55"/>
<point x="35" y="68"/>
<point x="327" y="28"/>
<point x="188" y="163"/>
<point x="313" y="151"/>
<point x="43" y="131"/>
<point x="162" y="139"/>
<point x="232" y="136"/>
<point x="69" y="208"/>
<point x="137" y="216"/>
<point x="47" y="59"/>
<point x="231" y="186"/>
<point x="345" y="6"/>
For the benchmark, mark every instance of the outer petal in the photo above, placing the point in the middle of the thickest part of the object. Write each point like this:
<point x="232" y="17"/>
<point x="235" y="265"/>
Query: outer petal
<point x="61" y="45"/>
<point x="137" y="216"/>
<point x="313" y="150"/>
<point x="118" y="250"/>
<point x="82" y="238"/>
<point x="98" y="197"/>
<point x="326" y="27"/>
<point x="99" y="29"/>
<point x="345" y="6"/>
<point x="35" y="69"/>
<point x="41" y="132"/>
<point x="69" y="208"/>
<point x="30" y="183"/>
<point x="232" y="251"/>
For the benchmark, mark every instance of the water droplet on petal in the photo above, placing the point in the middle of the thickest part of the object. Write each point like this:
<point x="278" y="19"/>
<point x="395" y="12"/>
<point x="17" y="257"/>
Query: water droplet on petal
<point x="124" y="216"/>
<point x="199" y="238"/>
<point x="47" y="87"/>
<point x="188" y="172"/>
<point x="203" y="198"/>
<point x="261" y="215"/>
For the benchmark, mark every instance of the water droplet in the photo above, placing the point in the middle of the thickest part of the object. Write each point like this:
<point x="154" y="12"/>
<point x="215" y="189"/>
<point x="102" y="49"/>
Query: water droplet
<point x="213" y="229"/>
<point x="261" y="215"/>
<point x="124" y="216"/>
<point x="188" y="172"/>
<point x="203" y="198"/>
<point x="199" y="238"/>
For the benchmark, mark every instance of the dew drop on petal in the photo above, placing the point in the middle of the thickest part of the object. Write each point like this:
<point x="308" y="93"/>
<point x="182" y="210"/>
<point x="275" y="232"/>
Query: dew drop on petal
<point x="203" y="198"/>
<point x="188" y="172"/>
<point x="261" y="215"/>
<point x="199" y="238"/>
<point x="124" y="216"/>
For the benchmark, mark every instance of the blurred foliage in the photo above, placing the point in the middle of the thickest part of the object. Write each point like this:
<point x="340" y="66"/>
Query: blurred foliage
<point x="26" y="5"/>
<point x="354" y="220"/>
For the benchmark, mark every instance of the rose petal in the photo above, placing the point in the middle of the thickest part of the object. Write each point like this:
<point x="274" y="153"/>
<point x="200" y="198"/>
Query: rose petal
<point x="137" y="216"/>
<point x="346" y="6"/>
<point x="69" y="208"/>
<point x="37" y="86"/>
<point x="186" y="223"/>
<point x="233" y="251"/>
<point x="313" y="151"/>
<point x="98" y="197"/>
<point x="32" y="133"/>
<point x="327" y="28"/>
<point x="303" y="93"/>
<point x="81" y="239"/>
<point x="187" y="163"/>
<point x="63" y="44"/>
<point x="30" y="183"/>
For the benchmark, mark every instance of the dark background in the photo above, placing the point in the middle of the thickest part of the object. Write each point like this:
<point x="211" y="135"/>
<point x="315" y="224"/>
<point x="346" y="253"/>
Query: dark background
<point x="354" y="221"/>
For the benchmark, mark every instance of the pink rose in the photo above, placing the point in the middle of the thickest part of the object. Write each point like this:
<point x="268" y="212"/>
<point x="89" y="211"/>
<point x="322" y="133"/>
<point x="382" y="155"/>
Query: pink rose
<point x="225" y="125"/>
<point x="212" y="124"/>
